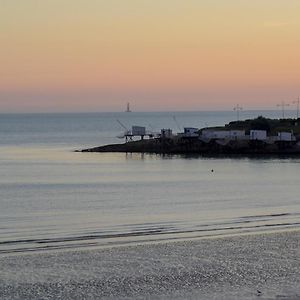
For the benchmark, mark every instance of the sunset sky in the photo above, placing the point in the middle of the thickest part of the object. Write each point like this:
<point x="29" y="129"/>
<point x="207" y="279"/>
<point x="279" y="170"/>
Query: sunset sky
<point x="95" y="55"/>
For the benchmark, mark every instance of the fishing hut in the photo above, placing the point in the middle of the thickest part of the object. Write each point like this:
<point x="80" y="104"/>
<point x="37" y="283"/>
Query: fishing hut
<point x="137" y="131"/>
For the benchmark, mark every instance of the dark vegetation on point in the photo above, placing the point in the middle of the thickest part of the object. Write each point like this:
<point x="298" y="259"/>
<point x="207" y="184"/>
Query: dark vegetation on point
<point x="272" y="126"/>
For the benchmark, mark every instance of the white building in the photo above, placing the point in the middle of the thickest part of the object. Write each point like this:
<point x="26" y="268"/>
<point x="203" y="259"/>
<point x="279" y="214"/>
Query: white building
<point x="138" y="130"/>
<point x="285" y="136"/>
<point x="237" y="134"/>
<point x="191" y="132"/>
<point x="215" y="134"/>
<point x="260" y="135"/>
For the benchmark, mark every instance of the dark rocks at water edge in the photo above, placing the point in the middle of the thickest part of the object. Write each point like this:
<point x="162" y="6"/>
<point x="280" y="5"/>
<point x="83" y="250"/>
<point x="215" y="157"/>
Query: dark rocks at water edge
<point x="149" y="146"/>
<point x="196" y="146"/>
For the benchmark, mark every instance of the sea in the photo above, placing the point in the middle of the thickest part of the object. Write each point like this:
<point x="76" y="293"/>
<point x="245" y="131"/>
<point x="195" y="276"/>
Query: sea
<point x="53" y="198"/>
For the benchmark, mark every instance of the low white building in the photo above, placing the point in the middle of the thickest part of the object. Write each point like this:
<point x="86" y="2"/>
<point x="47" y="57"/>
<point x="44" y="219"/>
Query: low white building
<point x="224" y="134"/>
<point x="237" y="134"/>
<point x="285" y="136"/>
<point x="191" y="132"/>
<point x="215" y="134"/>
<point x="260" y="135"/>
<point x="138" y="130"/>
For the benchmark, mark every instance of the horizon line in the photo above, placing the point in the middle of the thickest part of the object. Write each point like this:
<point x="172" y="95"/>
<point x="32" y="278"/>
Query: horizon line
<point x="139" y="111"/>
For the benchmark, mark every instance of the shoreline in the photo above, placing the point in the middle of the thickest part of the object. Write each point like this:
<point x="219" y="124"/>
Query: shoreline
<point x="198" y="147"/>
<point x="141" y="147"/>
<point x="264" y="265"/>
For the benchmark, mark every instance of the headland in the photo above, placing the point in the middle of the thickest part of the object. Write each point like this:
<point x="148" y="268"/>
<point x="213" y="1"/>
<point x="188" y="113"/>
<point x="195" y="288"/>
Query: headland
<point x="253" y="136"/>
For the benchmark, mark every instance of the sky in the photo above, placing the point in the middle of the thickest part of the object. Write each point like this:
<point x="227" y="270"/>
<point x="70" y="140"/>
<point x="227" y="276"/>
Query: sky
<point x="159" y="55"/>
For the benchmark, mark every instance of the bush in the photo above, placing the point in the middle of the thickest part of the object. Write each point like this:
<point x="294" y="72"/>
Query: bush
<point x="260" y="123"/>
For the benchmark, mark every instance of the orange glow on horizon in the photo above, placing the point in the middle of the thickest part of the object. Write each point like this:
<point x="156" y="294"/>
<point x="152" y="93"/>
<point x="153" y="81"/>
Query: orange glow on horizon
<point x="170" y="54"/>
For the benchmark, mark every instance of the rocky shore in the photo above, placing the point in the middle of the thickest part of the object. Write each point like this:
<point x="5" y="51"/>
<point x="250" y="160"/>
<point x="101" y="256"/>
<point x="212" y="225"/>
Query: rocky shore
<point x="196" y="146"/>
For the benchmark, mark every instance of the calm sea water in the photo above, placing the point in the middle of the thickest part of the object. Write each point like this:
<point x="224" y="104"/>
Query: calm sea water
<point x="54" y="198"/>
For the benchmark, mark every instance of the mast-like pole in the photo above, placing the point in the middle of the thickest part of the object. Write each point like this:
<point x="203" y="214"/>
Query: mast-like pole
<point x="282" y="105"/>
<point x="298" y="103"/>
<point x="128" y="107"/>
<point x="237" y="108"/>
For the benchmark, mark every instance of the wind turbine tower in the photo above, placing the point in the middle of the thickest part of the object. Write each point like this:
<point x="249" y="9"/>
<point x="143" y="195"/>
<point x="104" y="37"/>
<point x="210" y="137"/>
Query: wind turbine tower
<point x="238" y="108"/>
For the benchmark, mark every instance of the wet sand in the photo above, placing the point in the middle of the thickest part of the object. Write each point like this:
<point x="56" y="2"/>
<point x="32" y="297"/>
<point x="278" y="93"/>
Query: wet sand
<point x="257" y="266"/>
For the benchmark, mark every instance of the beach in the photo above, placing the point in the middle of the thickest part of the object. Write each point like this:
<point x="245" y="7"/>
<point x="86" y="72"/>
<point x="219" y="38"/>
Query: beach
<point x="253" y="266"/>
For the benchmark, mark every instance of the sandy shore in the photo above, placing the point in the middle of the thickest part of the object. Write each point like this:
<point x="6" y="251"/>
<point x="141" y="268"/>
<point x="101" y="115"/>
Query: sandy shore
<point x="260" y="266"/>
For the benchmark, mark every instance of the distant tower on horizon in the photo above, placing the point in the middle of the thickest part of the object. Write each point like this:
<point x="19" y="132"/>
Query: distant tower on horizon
<point x="298" y="105"/>
<point x="238" y="108"/>
<point x="282" y="105"/>
<point x="128" y="107"/>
